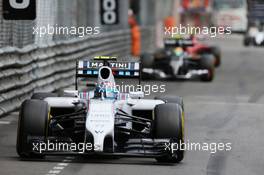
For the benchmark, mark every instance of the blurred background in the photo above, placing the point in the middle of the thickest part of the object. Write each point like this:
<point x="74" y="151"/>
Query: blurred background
<point x="150" y="15"/>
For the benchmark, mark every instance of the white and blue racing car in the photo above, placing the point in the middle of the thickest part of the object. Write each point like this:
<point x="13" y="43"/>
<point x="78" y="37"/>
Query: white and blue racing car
<point x="110" y="122"/>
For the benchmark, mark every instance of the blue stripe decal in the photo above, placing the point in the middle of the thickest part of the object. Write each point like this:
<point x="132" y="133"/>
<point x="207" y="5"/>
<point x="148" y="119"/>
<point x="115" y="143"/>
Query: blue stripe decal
<point x="132" y="66"/>
<point x="85" y="63"/>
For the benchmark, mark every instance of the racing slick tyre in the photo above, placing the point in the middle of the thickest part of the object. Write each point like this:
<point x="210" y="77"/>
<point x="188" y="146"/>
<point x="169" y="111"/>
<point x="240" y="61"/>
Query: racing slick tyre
<point x="169" y="124"/>
<point x="217" y="54"/>
<point x="43" y="95"/>
<point x="172" y="99"/>
<point x="207" y="63"/>
<point x="147" y="60"/>
<point x="32" y="124"/>
<point x="248" y="41"/>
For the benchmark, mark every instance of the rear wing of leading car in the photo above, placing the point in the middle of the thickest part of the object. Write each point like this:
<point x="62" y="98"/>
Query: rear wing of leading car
<point x="88" y="68"/>
<point x="178" y="42"/>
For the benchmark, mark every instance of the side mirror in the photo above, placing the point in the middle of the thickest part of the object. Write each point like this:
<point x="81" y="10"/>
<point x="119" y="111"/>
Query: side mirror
<point x="137" y="94"/>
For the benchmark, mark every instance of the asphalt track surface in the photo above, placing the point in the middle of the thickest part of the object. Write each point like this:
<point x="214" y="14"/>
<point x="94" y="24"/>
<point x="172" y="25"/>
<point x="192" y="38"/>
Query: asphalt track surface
<point x="231" y="109"/>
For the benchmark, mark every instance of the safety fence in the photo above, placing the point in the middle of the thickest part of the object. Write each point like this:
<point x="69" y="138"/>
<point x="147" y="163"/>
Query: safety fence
<point x="33" y="68"/>
<point x="51" y="67"/>
<point x="31" y="63"/>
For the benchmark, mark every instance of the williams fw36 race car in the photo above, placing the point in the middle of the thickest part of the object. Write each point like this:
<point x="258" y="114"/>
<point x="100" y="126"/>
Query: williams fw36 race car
<point x="105" y="120"/>
<point x="175" y="61"/>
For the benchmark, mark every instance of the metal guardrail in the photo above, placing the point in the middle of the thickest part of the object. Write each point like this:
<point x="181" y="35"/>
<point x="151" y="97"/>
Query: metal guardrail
<point x="50" y="67"/>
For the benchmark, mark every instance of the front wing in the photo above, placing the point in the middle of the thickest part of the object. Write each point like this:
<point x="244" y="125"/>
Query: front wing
<point x="151" y="148"/>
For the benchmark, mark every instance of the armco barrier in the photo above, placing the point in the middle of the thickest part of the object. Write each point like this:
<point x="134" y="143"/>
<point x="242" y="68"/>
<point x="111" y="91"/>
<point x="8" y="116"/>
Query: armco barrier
<point x="50" y="67"/>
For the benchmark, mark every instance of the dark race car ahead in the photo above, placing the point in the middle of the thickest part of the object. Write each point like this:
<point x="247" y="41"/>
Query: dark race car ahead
<point x="175" y="61"/>
<point x="103" y="120"/>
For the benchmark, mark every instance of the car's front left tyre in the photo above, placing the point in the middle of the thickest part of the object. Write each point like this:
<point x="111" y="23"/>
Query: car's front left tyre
<point x="147" y="60"/>
<point x="32" y="127"/>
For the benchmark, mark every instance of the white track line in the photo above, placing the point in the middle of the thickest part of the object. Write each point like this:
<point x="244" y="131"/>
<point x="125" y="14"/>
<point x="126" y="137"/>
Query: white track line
<point x="60" y="166"/>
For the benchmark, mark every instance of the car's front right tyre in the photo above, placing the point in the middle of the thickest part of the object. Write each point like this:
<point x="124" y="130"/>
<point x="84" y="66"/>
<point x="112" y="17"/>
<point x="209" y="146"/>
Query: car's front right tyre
<point x="32" y="126"/>
<point x="207" y="62"/>
<point x="169" y="124"/>
<point x="171" y="99"/>
<point x="217" y="54"/>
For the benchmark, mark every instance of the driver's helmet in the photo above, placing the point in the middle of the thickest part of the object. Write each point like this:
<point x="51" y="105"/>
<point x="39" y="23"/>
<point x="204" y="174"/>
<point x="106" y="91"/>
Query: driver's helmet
<point x="107" y="90"/>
